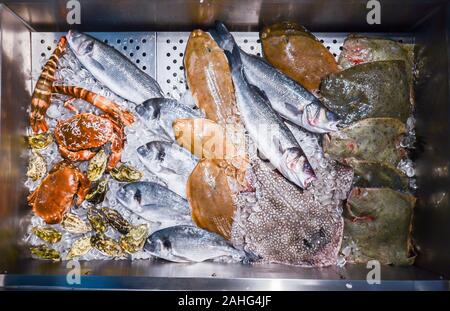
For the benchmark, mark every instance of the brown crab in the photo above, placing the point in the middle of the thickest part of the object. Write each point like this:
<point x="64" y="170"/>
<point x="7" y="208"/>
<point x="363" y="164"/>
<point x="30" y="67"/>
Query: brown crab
<point x="55" y="194"/>
<point x="79" y="135"/>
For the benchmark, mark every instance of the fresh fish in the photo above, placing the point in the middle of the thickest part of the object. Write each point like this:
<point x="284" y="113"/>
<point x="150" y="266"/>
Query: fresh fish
<point x="267" y="129"/>
<point x="158" y="114"/>
<point x="170" y="162"/>
<point x="211" y="203"/>
<point x="155" y="203"/>
<point x="297" y="53"/>
<point x="374" y="139"/>
<point x="190" y="244"/>
<point x="378" y="226"/>
<point x="371" y="90"/>
<point x="113" y="69"/>
<point x="209" y="79"/>
<point x="284" y="224"/>
<point x="291" y="100"/>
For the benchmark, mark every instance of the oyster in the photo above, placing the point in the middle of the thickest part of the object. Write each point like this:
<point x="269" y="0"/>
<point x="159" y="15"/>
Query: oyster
<point x="106" y="245"/>
<point x="378" y="175"/>
<point x="134" y="240"/>
<point x="371" y="90"/>
<point x="97" y="192"/>
<point x="116" y="220"/>
<point x="126" y="173"/>
<point x="37" y="167"/>
<point x="80" y="247"/>
<point x="97" y="220"/>
<point x="97" y="166"/>
<point x="40" y="141"/>
<point x="47" y="234"/>
<point x="74" y="224"/>
<point x="297" y="53"/>
<point x="378" y="226"/>
<point x="374" y="139"/>
<point x="45" y="252"/>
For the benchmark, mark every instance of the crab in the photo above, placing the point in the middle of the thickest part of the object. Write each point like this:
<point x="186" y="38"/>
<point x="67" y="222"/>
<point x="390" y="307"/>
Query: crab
<point x="55" y="195"/>
<point x="77" y="137"/>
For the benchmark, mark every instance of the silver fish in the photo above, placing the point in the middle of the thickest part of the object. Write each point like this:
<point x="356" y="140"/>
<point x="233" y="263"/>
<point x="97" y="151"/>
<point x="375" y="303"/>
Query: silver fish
<point x="158" y="115"/>
<point x="291" y="100"/>
<point x="170" y="162"/>
<point x="267" y="129"/>
<point x="113" y="69"/>
<point x="155" y="203"/>
<point x="190" y="244"/>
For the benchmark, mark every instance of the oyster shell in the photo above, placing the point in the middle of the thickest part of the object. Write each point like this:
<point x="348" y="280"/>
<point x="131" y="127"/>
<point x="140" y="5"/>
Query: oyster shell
<point x="47" y="234"/>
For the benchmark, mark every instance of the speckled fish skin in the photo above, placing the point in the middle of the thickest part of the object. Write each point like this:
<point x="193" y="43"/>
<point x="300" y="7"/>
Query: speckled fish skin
<point x="268" y="130"/>
<point x="293" y="50"/>
<point x="378" y="224"/>
<point x="155" y="203"/>
<point x="190" y="244"/>
<point x="283" y="224"/>
<point x="370" y="90"/>
<point x="374" y="174"/>
<point x="158" y="114"/>
<point x="358" y="49"/>
<point x="170" y="162"/>
<point x="209" y="79"/>
<point x="113" y="69"/>
<point x="374" y="139"/>
<point x="292" y="101"/>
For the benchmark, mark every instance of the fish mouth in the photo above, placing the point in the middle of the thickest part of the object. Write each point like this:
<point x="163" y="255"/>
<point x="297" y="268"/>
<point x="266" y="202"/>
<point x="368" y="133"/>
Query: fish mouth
<point x="296" y="168"/>
<point x="319" y="120"/>
<point x="79" y="43"/>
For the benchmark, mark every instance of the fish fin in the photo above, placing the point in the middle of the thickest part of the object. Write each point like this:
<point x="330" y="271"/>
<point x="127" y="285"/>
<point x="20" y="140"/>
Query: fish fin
<point x="258" y="91"/>
<point x="222" y="36"/>
<point x="97" y="64"/>
<point x="250" y="257"/>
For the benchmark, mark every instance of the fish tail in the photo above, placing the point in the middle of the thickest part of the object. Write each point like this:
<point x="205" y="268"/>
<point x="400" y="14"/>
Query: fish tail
<point x="222" y="36"/>
<point x="250" y="257"/>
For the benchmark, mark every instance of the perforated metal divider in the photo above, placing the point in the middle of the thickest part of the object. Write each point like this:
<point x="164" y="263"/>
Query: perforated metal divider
<point x="160" y="54"/>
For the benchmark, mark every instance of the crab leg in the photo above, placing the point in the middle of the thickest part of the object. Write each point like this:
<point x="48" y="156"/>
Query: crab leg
<point x="75" y="156"/>
<point x="40" y="100"/>
<point x="117" y="143"/>
<point x="101" y="102"/>
<point x="83" y="188"/>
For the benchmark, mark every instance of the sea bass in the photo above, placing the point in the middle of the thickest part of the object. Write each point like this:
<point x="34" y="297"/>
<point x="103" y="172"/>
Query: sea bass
<point x="190" y="244"/>
<point x="155" y="203"/>
<point x="113" y="69"/>
<point x="158" y="114"/>
<point x="292" y="101"/>
<point x="267" y="129"/>
<point x="209" y="79"/>
<point x="170" y="162"/>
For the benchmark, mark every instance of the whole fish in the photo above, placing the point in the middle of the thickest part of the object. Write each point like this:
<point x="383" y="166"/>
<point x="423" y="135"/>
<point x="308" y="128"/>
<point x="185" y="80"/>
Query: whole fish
<point x="170" y="162"/>
<point x="267" y="129"/>
<point x="190" y="244"/>
<point x="155" y="203"/>
<point x="158" y="114"/>
<point x="209" y="79"/>
<point x="291" y="100"/>
<point x="113" y="69"/>
<point x="378" y="226"/>
<point x="296" y="52"/>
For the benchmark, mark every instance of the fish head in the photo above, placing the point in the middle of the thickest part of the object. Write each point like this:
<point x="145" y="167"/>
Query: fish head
<point x="295" y="166"/>
<point x="154" y="151"/>
<point x="159" y="246"/>
<point x="86" y="49"/>
<point x="130" y="196"/>
<point x="319" y="119"/>
<point x="149" y="110"/>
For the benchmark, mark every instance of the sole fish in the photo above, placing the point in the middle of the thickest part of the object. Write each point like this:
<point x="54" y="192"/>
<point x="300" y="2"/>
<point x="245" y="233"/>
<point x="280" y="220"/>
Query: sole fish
<point x="291" y="100"/>
<point x="158" y="115"/>
<point x="209" y="79"/>
<point x="155" y="203"/>
<point x="170" y="162"/>
<point x="190" y="244"/>
<point x="267" y="129"/>
<point x="113" y="69"/>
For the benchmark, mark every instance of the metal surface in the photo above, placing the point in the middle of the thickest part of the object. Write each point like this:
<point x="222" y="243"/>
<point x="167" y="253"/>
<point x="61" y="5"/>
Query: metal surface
<point x="21" y="58"/>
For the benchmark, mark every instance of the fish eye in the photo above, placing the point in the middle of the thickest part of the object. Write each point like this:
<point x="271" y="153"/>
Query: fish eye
<point x="331" y="116"/>
<point x="166" y="243"/>
<point x="88" y="47"/>
<point x="138" y="196"/>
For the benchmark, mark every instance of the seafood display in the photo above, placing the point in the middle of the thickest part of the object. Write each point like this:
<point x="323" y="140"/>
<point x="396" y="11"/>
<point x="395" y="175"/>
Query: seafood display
<point x="292" y="158"/>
